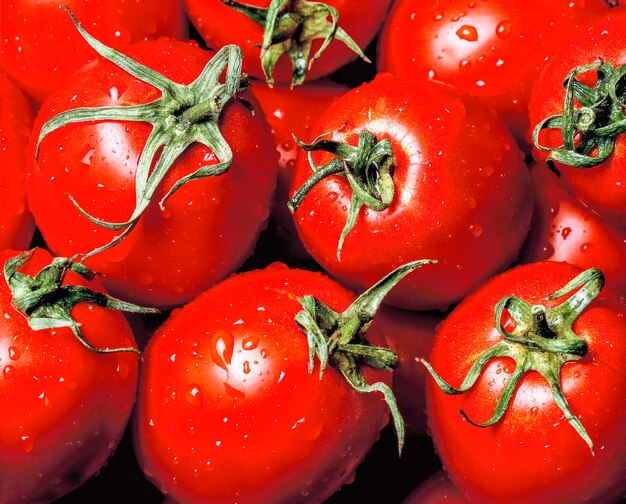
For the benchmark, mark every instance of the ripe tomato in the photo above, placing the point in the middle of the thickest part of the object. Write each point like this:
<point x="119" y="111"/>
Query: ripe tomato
<point x="220" y="23"/>
<point x="409" y="335"/>
<point x="228" y="409"/>
<point x="436" y="490"/>
<point x="64" y="407"/>
<point x="490" y="49"/>
<point x="535" y="452"/>
<point x="461" y="193"/>
<point x="564" y="230"/>
<point x="16" y="120"/>
<point x="203" y="232"/>
<point x="40" y="47"/>
<point x="602" y="187"/>
<point x="292" y="112"/>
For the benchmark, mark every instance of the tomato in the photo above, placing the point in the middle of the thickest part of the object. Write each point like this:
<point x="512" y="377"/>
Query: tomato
<point x="459" y="194"/>
<point x="228" y="409"/>
<point x="64" y="407"/>
<point x="435" y="490"/>
<point x="40" y="47"/>
<point x="602" y="187"/>
<point x="564" y="230"/>
<point x="409" y="335"/>
<point x="204" y="230"/>
<point x="569" y="351"/>
<point x="220" y="23"/>
<point x="490" y="49"/>
<point x="16" y="120"/>
<point x="292" y="112"/>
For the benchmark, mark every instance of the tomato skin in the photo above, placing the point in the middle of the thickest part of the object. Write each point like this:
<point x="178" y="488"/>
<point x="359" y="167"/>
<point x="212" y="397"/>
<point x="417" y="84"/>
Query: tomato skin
<point x="435" y="490"/>
<point x="207" y="228"/>
<point x="462" y="193"/>
<point x="40" y="46"/>
<point x="562" y="229"/>
<point x="64" y="407"/>
<point x="292" y="112"/>
<point x="532" y="454"/>
<point x="220" y="25"/>
<point x="409" y="335"/>
<point x="490" y="49"/>
<point x="16" y="121"/>
<point x="602" y="188"/>
<point x="227" y="410"/>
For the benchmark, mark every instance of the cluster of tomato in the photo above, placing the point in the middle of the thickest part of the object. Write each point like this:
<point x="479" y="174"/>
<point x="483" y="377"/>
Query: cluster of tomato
<point x="422" y="241"/>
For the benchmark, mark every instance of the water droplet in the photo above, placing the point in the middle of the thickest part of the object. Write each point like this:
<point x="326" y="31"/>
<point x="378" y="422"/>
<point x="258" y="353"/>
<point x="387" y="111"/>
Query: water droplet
<point x="7" y="372"/>
<point x="566" y="232"/>
<point x="265" y="353"/>
<point x="467" y="32"/>
<point x="332" y="196"/>
<point x="246" y="367"/>
<point x="194" y="395"/>
<point x="250" y="343"/>
<point x="87" y="157"/>
<point x="503" y="30"/>
<point x="534" y="410"/>
<point x="584" y="248"/>
<point x="222" y="344"/>
<point x="476" y="230"/>
<point x="27" y="444"/>
<point x="14" y="353"/>
<point x="465" y="64"/>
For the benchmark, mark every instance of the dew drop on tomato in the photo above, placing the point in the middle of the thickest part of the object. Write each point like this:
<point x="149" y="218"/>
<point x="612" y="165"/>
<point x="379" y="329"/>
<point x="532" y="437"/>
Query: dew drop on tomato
<point x="194" y="395"/>
<point x="222" y="345"/>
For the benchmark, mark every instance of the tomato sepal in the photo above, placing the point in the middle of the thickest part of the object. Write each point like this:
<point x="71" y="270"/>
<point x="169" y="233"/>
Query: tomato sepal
<point x="290" y="27"/>
<point x="183" y="115"/>
<point x="47" y="302"/>
<point x="588" y="132"/>
<point x="368" y="167"/>
<point x="336" y="339"/>
<point x="542" y="341"/>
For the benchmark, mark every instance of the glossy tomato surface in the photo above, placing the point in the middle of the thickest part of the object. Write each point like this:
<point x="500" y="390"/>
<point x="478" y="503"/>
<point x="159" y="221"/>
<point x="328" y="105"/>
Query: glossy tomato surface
<point x="16" y="121"/>
<point x="64" y="407"/>
<point x="492" y="49"/>
<point x="602" y="187"/>
<point x="227" y="409"/>
<point x="40" y="47"/>
<point x="532" y="454"/>
<point x="205" y="230"/>
<point x="563" y="229"/>
<point x="220" y="25"/>
<point x="462" y="193"/>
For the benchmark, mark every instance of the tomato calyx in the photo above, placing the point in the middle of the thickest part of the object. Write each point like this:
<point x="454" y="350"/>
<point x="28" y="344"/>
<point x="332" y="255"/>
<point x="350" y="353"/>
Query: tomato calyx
<point x="290" y="27"/>
<point x="542" y="341"/>
<point x="368" y="167"/>
<point x="181" y="116"/>
<point x="588" y="132"/>
<point x="47" y="303"/>
<point x="337" y="339"/>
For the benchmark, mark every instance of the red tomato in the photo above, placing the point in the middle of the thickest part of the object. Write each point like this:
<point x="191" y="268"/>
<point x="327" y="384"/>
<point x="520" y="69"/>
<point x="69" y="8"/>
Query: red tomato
<point x="204" y="231"/>
<point x="436" y="490"/>
<point x="292" y="112"/>
<point x="227" y="408"/>
<point x="462" y="193"/>
<point x="601" y="187"/>
<point x="564" y="230"/>
<point x="40" y="47"/>
<point x="64" y="407"/>
<point x="220" y="24"/>
<point x="534" y="453"/>
<point x="16" y="120"/>
<point x="410" y="335"/>
<point x="490" y="49"/>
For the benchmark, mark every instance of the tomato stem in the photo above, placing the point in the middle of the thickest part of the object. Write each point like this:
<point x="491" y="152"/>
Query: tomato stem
<point x="588" y="132"/>
<point x="47" y="303"/>
<point x="338" y="339"/>
<point x="181" y="116"/>
<point x="367" y="167"/>
<point x="290" y="27"/>
<point x="543" y="340"/>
